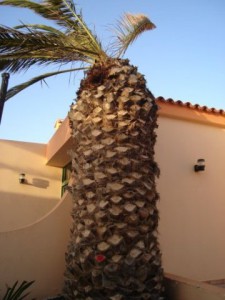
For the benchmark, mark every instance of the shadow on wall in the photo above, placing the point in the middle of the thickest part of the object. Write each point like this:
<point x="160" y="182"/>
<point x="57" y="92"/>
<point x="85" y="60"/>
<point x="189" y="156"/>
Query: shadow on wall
<point x="37" y="182"/>
<point x="19" y="210"/>
<point x="40" y="183"/>
<point x="37" y="252"/>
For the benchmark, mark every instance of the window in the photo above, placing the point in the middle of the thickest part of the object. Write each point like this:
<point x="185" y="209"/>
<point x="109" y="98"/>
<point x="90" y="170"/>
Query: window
<point x="66" y="173"/>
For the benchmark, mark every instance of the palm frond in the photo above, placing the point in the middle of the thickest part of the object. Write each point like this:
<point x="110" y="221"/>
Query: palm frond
<point x="48" y="9"/>
<point x="18" y="88"/>
<point x="27" y="45"/>
<point x="19" y="50"/>
<point x="128" y="29"/>
<point x="91" y="37"/>
<point x="17" y="292"/>
<point x="63" y="12"/>
<point x="49" y="29"/>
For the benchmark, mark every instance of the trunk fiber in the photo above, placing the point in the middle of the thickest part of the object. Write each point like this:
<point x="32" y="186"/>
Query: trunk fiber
<point x="114" y="252"/>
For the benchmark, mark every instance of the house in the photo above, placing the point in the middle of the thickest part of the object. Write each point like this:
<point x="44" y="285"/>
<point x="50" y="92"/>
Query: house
<point x="35" y="214"/>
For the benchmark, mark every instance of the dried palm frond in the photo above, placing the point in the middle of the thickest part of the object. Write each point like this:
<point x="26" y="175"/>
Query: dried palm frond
<point x="128" y="29"/>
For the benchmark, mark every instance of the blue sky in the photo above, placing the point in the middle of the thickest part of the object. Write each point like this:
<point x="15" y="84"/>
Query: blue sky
<point x="183" y="59"/>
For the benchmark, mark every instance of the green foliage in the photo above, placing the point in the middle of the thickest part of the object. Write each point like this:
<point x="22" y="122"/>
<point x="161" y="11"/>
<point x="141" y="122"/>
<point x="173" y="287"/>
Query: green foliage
<point x="17" y="292"/>
<point x="68" y="41"/>
<point x="18" y="88"/>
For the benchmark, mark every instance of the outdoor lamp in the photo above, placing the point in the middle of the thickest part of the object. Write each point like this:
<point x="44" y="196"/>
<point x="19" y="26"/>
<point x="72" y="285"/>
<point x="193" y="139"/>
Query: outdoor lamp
<point x="200" y="166"/>
<point x="22" y="178"/>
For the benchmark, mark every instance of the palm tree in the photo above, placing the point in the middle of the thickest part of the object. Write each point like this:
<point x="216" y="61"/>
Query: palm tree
<point x="113" y="252"/>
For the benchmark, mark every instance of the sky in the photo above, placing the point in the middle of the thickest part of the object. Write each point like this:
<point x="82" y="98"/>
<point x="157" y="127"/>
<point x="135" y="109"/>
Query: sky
<point x="182" y="59"/>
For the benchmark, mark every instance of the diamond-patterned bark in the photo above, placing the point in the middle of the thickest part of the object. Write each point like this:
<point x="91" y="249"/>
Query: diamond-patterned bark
<point x="113" y="252"/>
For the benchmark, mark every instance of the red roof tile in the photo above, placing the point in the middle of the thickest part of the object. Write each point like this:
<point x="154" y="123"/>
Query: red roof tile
<point x="191" y="106"/>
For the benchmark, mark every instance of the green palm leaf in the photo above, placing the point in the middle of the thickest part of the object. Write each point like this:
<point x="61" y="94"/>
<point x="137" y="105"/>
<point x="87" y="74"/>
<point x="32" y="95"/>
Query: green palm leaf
<point x="56" y="10"/>
<point x="39" y="27"/>
<point x="17" y="293"/>
<point x="77" y="43"/>
<point x="28" y="45"/>
<point x="96" y="44"/>
<point x="19" y="50"/>
<point x="18" y="88"/>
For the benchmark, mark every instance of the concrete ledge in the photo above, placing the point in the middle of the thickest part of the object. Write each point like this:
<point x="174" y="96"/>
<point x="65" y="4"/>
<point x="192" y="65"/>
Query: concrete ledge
<point x="179" y="288"/>
<point x="57" y="149"/>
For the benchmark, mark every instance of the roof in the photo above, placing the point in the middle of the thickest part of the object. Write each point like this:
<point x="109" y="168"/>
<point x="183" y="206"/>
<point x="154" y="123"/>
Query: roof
<point x="191" y="106"/>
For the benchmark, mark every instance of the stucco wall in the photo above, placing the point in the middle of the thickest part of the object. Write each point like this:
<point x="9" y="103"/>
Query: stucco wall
<point x="179" y="288"/>
<point x="22" y="204"/>
<point x="57" y="151"/>
<point x="37" y="252"/>
<point x="192" y="205"/>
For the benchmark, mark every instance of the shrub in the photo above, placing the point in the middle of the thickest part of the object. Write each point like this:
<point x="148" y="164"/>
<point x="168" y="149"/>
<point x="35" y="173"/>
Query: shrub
<point x="17" y="292"/>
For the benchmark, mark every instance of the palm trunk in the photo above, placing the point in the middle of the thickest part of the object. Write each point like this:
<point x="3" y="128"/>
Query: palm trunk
<point x="114" y="252"/>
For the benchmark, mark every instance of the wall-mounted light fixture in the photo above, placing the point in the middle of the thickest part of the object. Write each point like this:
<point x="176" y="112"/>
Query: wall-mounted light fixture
<point x="200" y="166"/>
<point x="22" y="178"/>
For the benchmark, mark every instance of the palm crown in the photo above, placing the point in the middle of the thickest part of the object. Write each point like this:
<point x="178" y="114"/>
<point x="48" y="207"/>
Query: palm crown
<point x="27" y="45"/>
